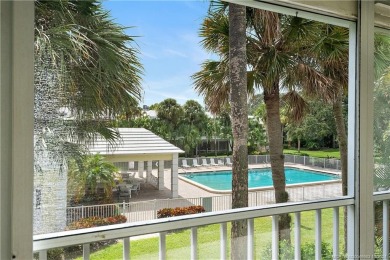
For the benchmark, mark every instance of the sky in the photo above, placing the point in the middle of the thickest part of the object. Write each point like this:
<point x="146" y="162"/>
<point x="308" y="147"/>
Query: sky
<point x="169" y="45"/>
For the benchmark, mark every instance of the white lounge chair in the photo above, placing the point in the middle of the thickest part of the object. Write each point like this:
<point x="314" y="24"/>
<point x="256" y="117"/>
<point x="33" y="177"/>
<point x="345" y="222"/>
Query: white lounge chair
<point x="228" y="162"/>
<point x="220" y="163"/>
<point x="212" y="162"/>
<point x="195" y="163"/>
<point x="204" y="162"/>
<point x="184" y="164"/>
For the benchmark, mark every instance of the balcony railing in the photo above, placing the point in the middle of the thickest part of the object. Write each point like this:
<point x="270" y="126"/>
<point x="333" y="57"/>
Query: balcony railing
<point x="85" y="237"/>
<point x="147" y="210"/>
<point x="383" y="197"/>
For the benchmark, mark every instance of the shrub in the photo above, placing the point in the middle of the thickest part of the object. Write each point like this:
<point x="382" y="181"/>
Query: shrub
<point x="286" y="251"/>
<point x="172" y="212"/>
<point x="96" y="222"/>
<point x="52" y="254"/>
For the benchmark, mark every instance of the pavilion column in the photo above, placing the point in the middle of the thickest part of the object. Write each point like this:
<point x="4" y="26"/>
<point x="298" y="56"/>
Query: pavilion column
<point x="160" y="184"/>
<point x="141" y="169"/>
<point x="174" y="176"/>
<point x="148" y="170"/>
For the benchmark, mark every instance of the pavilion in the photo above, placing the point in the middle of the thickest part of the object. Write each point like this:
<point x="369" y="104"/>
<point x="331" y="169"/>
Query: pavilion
<point x="141" y="145"/>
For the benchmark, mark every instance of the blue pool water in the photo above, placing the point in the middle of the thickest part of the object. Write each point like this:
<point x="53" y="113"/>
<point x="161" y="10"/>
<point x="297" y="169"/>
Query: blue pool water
<point x="257" y="178"/>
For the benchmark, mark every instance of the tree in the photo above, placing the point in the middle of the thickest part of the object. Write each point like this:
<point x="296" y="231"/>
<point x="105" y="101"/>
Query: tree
<point x="86" y="71"/>
<point x="92" y="172"/>
<point x="317" y="125"/>
<point x="256" y="135"/>
<point x="190" y="138"/>
<point x="193" y="125"/>
<point x="194" y="114"/>
<point x="331" y="53"/>
<point x="170" y="112"/>
<point x="274" y="61"/>
<point x="254" y="102"/>
<point x="239" y="117"/>
<point x="225" y="127"/>
<point x="274" y="49"/>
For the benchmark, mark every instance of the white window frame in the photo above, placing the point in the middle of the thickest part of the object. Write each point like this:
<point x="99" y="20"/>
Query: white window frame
<point x="16" y="128"/>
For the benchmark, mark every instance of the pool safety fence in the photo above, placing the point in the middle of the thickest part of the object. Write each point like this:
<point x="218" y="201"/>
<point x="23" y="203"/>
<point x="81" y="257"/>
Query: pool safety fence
<point x="324" y="163"/>
<point x="147" y="210"/>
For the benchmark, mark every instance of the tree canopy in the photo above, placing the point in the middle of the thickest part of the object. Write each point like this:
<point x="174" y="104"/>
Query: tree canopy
<point x="86" y="71"/>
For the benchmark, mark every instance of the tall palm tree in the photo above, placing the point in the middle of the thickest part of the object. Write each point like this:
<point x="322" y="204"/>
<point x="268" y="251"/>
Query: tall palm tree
<point x="239" y="118"/>
<point x="331" y="53"/>
<point x="275" y="61"/>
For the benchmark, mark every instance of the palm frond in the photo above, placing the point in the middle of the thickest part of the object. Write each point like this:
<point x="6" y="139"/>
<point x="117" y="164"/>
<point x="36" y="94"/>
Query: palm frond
<point x="296" y="106"/>
<point x="94" y="64"/>
<point x="215" y="33"/>
<point x="211" y="82"/>
<point x="313" y="82"/>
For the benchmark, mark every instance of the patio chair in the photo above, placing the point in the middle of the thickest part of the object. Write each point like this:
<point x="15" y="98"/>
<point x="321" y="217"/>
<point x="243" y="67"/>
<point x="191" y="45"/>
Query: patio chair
<point x="228" y="162"/>
<point x="220" y="163"/>
<point x="184" y="164"/>
<point x="212" y="162"/>
<point x="204" y="162"/>
<point x="195" y="163"/>
<point x="123" y="190"/>
<point x="136" y="187"/>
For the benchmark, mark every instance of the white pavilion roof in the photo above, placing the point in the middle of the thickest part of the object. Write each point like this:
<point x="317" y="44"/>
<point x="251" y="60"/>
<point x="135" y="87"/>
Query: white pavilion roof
<point x="134" y="141"/>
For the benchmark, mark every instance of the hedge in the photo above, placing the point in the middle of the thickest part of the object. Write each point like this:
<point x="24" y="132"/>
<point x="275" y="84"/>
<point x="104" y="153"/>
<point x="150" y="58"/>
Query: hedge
<point x="172" y="212"/>
<point x="96" y="222"/>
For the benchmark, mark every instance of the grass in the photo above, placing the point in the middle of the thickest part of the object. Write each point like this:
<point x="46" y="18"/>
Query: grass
<point x="326" y="153"/>
<point x="178" y="243"/>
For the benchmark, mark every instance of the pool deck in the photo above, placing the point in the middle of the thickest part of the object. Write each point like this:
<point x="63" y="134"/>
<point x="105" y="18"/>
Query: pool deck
<point x="187" y="190"/>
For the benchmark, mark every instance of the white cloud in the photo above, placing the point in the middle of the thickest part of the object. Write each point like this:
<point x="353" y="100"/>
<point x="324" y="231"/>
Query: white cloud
<point x="171" y="52"/>
<point x="192" y="41"/>
<point x="149" y="55"/>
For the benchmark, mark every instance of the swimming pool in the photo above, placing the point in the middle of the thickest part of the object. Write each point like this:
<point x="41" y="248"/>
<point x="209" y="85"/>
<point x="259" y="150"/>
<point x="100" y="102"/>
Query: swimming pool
<point x="257" y="178"/>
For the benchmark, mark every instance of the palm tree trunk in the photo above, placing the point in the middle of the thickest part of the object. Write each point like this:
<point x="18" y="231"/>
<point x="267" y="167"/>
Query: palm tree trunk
<point x="343" y="146"/>
<point x="274" y="126"/>
<point x="299" y="144"/>
<point x="343" y="141"/>
<point x="239" y="117"/>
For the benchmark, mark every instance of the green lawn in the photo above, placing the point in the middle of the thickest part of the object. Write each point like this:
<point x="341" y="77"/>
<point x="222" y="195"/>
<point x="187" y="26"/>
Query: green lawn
<point x="326" y="153"/>
<point x="178" y="244"/>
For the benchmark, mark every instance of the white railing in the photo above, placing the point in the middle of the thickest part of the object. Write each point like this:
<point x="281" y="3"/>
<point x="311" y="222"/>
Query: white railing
<point x="105" y="210"/>
<point x="147" y="210"/>
<point x="383" y="197"/>
<point x="288" y="158"/>
<point x="85" y="237"/>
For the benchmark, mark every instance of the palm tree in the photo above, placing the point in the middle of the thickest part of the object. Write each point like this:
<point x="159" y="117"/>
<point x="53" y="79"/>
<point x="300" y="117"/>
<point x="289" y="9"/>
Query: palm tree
<point x="331" y="54"/>
<point x="239" y="118"/>
<point x="193" y="125"/>
<point x="93" y="172"/>
<point x="275" y="61"/>
<point x="85" y="63"/>
<point x="194" y="114"/>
